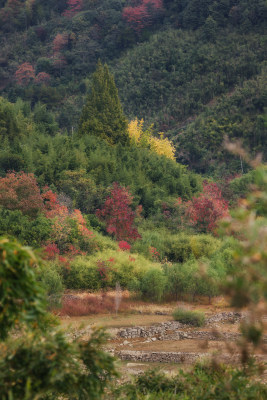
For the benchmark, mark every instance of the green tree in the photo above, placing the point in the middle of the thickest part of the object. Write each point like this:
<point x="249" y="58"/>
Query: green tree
<point x="102" y="114"/>
<point x="42" y="363"/>
<point x="9" y="127"/>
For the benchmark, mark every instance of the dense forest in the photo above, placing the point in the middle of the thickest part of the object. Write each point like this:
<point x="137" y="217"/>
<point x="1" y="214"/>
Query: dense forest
<point x="132" y="155"/>
<point x="177" y="64"/>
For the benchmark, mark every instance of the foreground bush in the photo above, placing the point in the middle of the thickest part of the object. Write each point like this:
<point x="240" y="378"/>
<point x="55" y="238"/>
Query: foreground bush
<point x="42" y="363"/>
<point x="52" y="283"/>
<point x="195" y="318"/>
<point x="209" y="382"/>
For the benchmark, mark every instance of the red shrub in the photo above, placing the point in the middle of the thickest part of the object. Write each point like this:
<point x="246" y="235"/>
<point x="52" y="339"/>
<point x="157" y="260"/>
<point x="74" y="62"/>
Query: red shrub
<point x="123" y="245"/>
<point x="154" y="253"/>
<point x="205" y="211"/>
<point x="104" y="268"/>
<point x="117" y="214"/>
<point x="51" y="251"/>
<point x="64" y="261"/>
<point x="52" y="206"/>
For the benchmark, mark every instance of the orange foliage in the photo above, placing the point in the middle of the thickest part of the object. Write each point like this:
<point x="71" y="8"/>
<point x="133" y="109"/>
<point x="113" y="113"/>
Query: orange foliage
<point x="20" y="191"/>
<point x="24" y="74"/>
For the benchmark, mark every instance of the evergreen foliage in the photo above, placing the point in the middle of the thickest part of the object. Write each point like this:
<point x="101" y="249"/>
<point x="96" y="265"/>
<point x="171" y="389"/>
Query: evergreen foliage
<point x="239" y="115"/>
<point x="102" y="114"/>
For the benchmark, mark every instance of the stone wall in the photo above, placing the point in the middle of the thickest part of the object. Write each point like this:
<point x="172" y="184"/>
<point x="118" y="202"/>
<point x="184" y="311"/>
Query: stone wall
<point x="178" y="357"/>
<point x="172" y="357"/>
<point x="149" y="331"/>
<point x="175" y="330"/>
<point x="162" y="357"/>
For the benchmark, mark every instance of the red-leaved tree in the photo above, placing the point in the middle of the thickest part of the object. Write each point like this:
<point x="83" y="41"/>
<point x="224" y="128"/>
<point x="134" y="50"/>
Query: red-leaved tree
<point x="207" y="209"/>
<point x="118" y="215"/>
<point x="20" y="191"/>
<point x="60" y="41"/>
<point x="74" y="6"/>
<point x="42" y="77"/>
<point x="24" y="74"/>
<point x="143" y="14"/>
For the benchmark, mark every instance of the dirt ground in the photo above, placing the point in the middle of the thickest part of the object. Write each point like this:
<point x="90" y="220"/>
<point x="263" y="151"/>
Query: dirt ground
<point x="145" y="314"/>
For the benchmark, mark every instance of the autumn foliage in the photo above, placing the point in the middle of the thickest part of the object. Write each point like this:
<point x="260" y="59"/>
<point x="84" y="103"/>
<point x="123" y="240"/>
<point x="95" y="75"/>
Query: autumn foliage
<point x="124" y="246"/>
<point x="144" y="138"/>
<point x="20" y="191"/>
<point x="63" y="224"/>
<point x="207" y="209"/>
<point x="143" y="14"/>
<point x="42" y="77"/>
<point x="24" y="74"/>
<point x="59" y="42"/>
<point x="118" y="215"/>
<point x="74" y="6"/>
<point x="69" y="235"/>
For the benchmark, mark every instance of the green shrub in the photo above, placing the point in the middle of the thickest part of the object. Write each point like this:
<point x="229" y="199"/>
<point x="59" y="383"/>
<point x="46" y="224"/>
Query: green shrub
<point x="204" y="245"/>
<point x="195" y="318"/>
<point x="182" y="279"/>
<point x="29" y="231"/>
<point x="206" y="381"/>
<point x="176" y="248"/>
<point x="176" y="281"/>
<point x="153" y="284"/>
<point x="120" y="266"/>
<point x="52" y="283"/>
<point x="81" y="274"/>
<point x="152" y="238"/>
<point x="180" y="249"/>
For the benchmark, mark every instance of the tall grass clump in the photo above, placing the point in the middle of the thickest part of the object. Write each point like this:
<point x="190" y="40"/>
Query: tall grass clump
<point x="194" y="318"/>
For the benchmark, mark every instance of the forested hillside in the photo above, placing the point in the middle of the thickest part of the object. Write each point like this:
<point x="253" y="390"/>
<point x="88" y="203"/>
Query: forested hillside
<point x="177" y="64"/>
<point x="132" y="171"/>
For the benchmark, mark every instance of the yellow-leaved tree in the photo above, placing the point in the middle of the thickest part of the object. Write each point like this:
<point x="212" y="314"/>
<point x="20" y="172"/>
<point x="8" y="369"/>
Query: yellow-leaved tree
<point x="144" y="138"/>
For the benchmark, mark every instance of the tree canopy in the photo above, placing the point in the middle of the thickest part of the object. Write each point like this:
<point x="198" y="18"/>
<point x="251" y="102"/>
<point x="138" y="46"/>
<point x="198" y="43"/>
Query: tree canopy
<point x="102" y="114"/>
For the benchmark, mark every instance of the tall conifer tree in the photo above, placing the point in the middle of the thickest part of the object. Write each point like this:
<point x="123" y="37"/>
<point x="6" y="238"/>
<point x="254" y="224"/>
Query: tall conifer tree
<point x="102" y="114"/>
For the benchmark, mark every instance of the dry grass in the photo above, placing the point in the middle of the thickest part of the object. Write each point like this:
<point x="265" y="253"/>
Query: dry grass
<point x="81" y="303"/>
<point x="76" y="306"/>
<point x="115" y="321"/>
